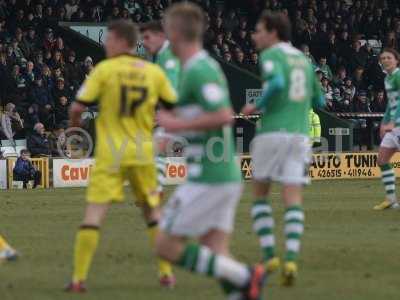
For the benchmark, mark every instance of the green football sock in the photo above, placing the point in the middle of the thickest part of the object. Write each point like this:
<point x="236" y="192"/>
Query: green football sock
<point x="263" y="225"/>
<point x="389" y="181"/>
<point x="294" y="227"/>
<point x="202" y="260"/>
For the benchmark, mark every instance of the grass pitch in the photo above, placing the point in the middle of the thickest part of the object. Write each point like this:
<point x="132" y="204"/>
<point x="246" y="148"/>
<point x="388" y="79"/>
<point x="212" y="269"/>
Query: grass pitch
<point x="350" y="252"/>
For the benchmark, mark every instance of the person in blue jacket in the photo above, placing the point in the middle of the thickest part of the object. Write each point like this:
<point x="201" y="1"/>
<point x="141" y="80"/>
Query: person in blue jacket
<point x="25" y="171"/>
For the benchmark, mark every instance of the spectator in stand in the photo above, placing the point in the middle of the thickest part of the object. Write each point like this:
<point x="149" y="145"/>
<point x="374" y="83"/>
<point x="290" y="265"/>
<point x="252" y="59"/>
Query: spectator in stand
<point x="42" y="98"/>
<point x="62" y="98"/>
<point x="132" y="6"/>
<point x="31" y="118"/>
<point x="378" y="104"/>
<point x="306" y="51"/>
<point x="358" y="79"/>
<point x="253" y="63"/>
<point x="49" y="41"/>
<point x="73" y="71"/>
<point x="22" y="43"/>
<point x="214" y="49"/>
<point x="240" y="59"/>
<point x="243" y="40"/>
<point x="71" y="7"/>
<point x="25" y="171"/>
<point x="361" y="104"/>
<point x="29" y="74"/>
<point x="47" y="78"/>
<point x="11" y="123"/>
<point x="348" y="88"/>
<point x="327" y="89"/>
<point x="57" y="60"/>
<point x="357" y="57"/>
<point x="340" y="76"/>
<point x="19" y="80"/>
<point x="347" y="103"/>
<point x="87" y="65"/>
<point x="325" y="69"/>
<point x="38" y="143"/>
<point x="57" y="141"/>
<point x="228" y="57"/>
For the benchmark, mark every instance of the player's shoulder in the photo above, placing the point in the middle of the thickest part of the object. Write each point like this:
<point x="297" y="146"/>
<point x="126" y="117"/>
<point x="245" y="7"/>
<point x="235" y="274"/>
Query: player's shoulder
<point x="203" y="67"/>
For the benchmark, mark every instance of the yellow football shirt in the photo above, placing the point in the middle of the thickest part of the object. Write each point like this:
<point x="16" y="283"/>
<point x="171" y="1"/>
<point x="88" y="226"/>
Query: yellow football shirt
<point x="127" y="90"/>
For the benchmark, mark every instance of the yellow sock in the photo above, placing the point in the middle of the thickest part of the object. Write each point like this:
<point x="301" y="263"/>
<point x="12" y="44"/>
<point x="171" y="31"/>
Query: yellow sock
<point x="3" y="243"/>
<point x="164" y="267"/>
<point x="86" y="243"/>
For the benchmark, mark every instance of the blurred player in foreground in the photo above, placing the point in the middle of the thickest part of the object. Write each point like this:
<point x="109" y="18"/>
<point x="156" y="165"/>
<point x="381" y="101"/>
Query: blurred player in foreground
<point x="390" y="127"/>
<point x="127" y="90"/>
<point x="281" y="150"/>
<point x="204" y="207"/>
<point x="155" y="42"/>
<point x="7" y="253"/>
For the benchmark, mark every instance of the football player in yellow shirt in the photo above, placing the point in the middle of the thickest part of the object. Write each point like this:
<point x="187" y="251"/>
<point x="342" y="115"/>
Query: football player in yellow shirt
<point x="127" y="90"/>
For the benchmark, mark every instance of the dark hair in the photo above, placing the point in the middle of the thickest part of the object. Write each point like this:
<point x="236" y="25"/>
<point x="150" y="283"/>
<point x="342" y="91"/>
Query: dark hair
<point x="126" y="30"/>
<point x="392" y="51"/>
<point x="24" y="151"/>
<point x="279" y="22"/>
<point x="190" y="20"/>
<point x="154" y="26"/>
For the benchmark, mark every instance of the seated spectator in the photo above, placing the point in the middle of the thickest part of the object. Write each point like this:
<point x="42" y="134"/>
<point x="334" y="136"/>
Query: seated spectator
<point x="239" y="59"/>
<point x="24" y="170"/>
<point x="358" y="79"/>
<point x="61" y="111"/>
<point x="348" y="87"/>
<point x="327" y="88"/>
<point x="18" y="79"/>
<point x="11" y="123"/>
<point x="347" y="103"/>
<point x="87" y="66"/>
<point x="42" y="98"/>
<point x="379" y="102"/>
<point x="228" y="57"/>
<point x="38" y="143"/>
<point x="215" y="50"/>
<point x="325" y="69"/>
<point x="340" y="76"/>
<point x="57" y="60"/>
<point x="31" y="118"/>
<point x="29" y="75"/>
<point x="57" y="141"/>
<point x="306" y="51"/>
<point x="253" y="63"/>
<point x="60" y="90"/>
<point x="72" y="70"/>
<point x="47" y="78"/>
<point x="361" y="103"/>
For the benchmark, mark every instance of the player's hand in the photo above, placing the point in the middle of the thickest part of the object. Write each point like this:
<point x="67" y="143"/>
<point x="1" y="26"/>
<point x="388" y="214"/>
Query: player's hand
<point x="169" y="121"/>
<point x="248" y="109"/>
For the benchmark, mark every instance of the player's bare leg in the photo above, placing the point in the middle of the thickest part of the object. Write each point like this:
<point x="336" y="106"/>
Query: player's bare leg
<point x="152" y="216"/>
<point x="294" y="228"/>
<point x="7" y="253"/>
<point x="86" y="243"/>
<point x="263" y="224"/>
<point x="388" y="178"/>
<point x="203" y="260"/>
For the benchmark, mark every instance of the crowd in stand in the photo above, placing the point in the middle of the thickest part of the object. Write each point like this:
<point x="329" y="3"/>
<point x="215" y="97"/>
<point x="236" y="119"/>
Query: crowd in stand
<point x="39" y="74"/>
<point x="342" y="40"/>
